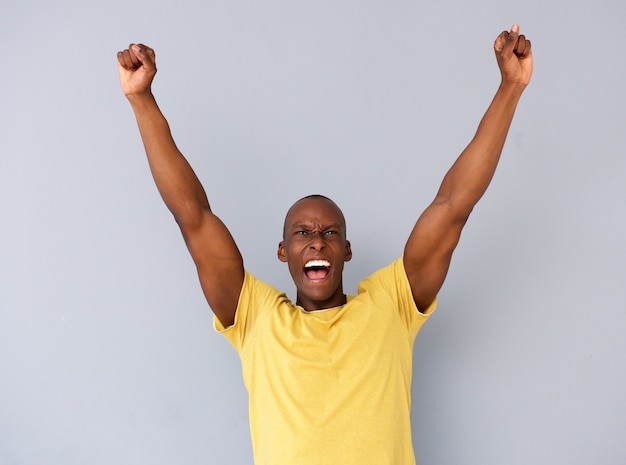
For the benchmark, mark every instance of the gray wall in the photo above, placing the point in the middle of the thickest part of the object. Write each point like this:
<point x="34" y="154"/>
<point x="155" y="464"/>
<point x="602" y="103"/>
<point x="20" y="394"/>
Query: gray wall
<point x="107" y="354"/>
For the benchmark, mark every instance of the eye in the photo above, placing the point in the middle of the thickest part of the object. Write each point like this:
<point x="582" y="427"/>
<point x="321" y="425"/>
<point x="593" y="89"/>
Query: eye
<point x="301" y="233"/>
<point x="330" y="232"/>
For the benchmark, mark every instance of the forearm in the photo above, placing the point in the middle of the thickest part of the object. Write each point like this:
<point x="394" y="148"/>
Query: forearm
<point x="468" y="178"/>
<point x="176" y="181"/>
<point x="437" y="232"/>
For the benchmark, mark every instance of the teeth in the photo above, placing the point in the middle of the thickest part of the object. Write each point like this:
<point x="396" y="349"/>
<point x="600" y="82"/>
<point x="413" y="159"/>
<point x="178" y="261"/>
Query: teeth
<point x="317" y="263"/>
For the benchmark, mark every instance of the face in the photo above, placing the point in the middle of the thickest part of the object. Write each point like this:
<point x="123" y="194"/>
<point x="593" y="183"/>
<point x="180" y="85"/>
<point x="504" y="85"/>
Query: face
<point x="315" y="249"/>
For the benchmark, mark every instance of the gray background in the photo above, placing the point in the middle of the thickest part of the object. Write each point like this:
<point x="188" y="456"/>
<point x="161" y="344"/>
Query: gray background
<point x="107" y="354"/>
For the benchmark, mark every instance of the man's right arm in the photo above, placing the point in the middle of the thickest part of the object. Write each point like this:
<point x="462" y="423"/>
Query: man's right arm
<point x="217" y="258"/>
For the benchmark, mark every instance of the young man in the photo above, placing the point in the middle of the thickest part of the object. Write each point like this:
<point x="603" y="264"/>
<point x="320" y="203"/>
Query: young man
<point x="329" y="376"/>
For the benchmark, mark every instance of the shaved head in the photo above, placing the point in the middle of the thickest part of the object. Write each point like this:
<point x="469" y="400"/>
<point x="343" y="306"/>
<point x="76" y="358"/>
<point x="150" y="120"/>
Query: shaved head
<point x="319" y="197"/>
<point x="315" y="248"/>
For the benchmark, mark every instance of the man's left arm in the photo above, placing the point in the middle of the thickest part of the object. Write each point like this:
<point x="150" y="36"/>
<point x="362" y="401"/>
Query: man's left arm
<point x="429" y="249"/>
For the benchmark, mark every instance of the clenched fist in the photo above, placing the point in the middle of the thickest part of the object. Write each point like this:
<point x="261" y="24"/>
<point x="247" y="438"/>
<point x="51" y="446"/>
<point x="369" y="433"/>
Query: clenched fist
<point x="137" y="67"/>
<point x="514" y="55"/>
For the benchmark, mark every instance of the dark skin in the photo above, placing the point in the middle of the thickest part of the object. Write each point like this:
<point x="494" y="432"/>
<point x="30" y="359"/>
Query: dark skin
<point x="314" y="228"/>
<point x="315" y="231"/>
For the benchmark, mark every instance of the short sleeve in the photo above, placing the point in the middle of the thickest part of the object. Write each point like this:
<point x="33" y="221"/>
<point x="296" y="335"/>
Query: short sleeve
<point x="255" y="299"/>
<point x="394" y="283"/>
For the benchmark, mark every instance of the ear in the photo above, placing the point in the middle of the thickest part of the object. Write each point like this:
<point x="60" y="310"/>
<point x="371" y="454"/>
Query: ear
<point x="282" y="253"/>
<point x="348" y="252"/>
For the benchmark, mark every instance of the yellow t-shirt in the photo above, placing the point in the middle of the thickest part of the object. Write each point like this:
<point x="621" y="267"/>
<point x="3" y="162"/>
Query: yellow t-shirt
<point x="331" y="386"/>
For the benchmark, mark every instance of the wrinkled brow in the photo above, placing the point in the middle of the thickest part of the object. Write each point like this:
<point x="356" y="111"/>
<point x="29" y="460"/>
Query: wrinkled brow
<point x="310" y="226"/>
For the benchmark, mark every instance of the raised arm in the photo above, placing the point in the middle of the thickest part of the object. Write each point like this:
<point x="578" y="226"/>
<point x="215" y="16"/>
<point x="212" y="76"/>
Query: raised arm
<point x="429" y="249"/>
<point x="217" y="258"/>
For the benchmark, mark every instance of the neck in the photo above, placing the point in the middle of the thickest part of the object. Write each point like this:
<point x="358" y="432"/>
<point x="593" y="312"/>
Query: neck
<point x="311" y="305"/>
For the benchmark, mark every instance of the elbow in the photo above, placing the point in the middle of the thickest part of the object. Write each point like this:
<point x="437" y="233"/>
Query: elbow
<point x="457" y="209"/>
<point x="188" y="217"/>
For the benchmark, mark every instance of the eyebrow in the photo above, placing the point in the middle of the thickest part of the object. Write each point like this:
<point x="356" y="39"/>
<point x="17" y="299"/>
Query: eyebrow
<point x="308" y="226"/>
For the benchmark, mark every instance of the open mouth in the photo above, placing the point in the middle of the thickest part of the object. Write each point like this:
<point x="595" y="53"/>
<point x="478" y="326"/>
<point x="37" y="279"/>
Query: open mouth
<point x="317" y="269"/>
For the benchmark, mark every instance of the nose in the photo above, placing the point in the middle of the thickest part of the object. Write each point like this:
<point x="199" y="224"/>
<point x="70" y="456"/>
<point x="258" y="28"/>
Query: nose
<point x="317" y="241"/>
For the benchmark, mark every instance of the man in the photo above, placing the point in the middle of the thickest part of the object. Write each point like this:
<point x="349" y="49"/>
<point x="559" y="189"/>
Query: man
<point x="329" y="376"/>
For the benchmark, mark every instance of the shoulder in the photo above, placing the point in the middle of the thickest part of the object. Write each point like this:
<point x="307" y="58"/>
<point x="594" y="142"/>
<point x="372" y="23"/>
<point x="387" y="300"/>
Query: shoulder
<point x="390" y="287"/>
<point x="392" y="276"/>
<point x="256" y="297"/>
